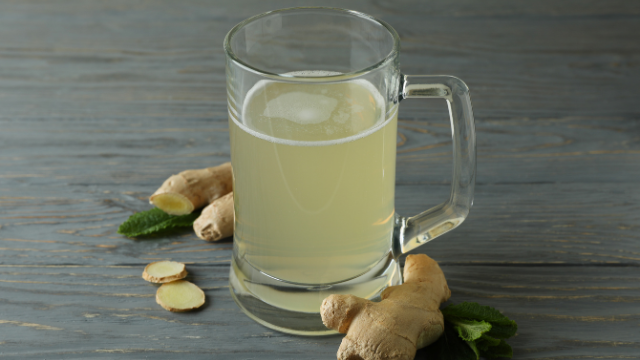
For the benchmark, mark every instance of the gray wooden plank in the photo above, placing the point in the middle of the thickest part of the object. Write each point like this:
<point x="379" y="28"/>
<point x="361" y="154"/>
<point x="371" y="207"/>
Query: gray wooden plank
<point x="541" y="223"/>
<point x="166" y="59"/>
<point x="120" y="151"/>
<point x="546" y="186"/>
<point x="102" y="311"/>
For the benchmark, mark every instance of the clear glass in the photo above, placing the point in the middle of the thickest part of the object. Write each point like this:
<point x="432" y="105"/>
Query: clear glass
<point x="313" y="98"/>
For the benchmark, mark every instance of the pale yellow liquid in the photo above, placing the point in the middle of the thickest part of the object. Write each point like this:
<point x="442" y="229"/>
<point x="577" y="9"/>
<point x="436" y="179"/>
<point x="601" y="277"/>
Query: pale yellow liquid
<point x="314" y="175"/>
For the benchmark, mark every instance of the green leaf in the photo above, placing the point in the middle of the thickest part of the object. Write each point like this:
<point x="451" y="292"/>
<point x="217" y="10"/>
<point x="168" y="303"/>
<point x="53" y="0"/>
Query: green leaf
<point x="501" y="326"/>
<point x="449" y="346"/>
<point x="487" y="341"/>
<point x="502" y="350"/>
<point x="153" y="221"/>
<point x="469" y="330"/>
<point x="503" y="331"/>
<point x="473" y="347"/>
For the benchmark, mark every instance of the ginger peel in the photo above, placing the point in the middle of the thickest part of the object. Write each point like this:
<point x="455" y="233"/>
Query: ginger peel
<point x="182" y="193"/>
<point x="216" y="220"/>
<point x="407" y="318"/>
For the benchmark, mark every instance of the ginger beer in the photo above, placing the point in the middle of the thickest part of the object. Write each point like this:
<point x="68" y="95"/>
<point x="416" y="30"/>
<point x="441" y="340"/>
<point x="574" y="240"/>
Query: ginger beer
<point x="314" y="177"/>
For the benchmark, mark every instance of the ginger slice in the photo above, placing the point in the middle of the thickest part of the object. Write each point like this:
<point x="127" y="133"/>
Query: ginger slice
<point x="216" y="220"/>
<point x="192" y="189"/>
<point x="173" y="203"/>
<point x="179" y="296"/>
<point x="408" y="317"/>
<point x="164" y="271"/>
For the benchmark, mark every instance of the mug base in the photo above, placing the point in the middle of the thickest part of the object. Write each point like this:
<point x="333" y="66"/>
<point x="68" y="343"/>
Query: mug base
<point x="295" y="308"/>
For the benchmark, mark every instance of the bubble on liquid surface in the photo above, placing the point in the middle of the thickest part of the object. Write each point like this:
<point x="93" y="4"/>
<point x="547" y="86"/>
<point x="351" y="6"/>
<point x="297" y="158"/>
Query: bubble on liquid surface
<point x="302" y="108"/>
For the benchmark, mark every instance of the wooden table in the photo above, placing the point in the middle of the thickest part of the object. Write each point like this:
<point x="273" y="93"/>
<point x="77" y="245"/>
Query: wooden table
<point x="100" y="101"/>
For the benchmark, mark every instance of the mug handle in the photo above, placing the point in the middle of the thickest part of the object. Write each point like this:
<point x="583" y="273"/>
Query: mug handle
<point x="411" y="232"/>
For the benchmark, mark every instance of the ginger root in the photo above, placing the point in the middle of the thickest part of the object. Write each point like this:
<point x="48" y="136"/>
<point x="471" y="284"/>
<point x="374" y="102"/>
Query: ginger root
<point x="192" y="189"/>
<point x="407" y="318"/>
<point x="179" y="296"/>
<point x="164" y="271"/>
<point x="216" y="220"/>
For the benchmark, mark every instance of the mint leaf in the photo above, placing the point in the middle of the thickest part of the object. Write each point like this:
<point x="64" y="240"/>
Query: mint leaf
<point x="487" y="341"/>
<point x="503" y="331"/>
<point x="473" y="347"/>
<point x="470" y="330"/>
<point x="501" y="326"/>
<point x="154" y="220"/>
<point x="502" y="350"/>
<point x="449" y="346"/>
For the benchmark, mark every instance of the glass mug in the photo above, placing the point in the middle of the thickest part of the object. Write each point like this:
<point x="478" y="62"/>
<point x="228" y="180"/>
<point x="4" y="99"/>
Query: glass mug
<point x="313" y="99"/>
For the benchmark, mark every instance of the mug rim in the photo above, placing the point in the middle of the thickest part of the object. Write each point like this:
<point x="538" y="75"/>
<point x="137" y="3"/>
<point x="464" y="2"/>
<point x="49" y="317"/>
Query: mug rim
<point x="352" y="74"/>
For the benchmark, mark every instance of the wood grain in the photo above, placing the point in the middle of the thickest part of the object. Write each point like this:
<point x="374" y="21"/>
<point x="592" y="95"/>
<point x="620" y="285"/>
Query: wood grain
<point x="98" y="311"/>
<point x="101" y="101"/>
